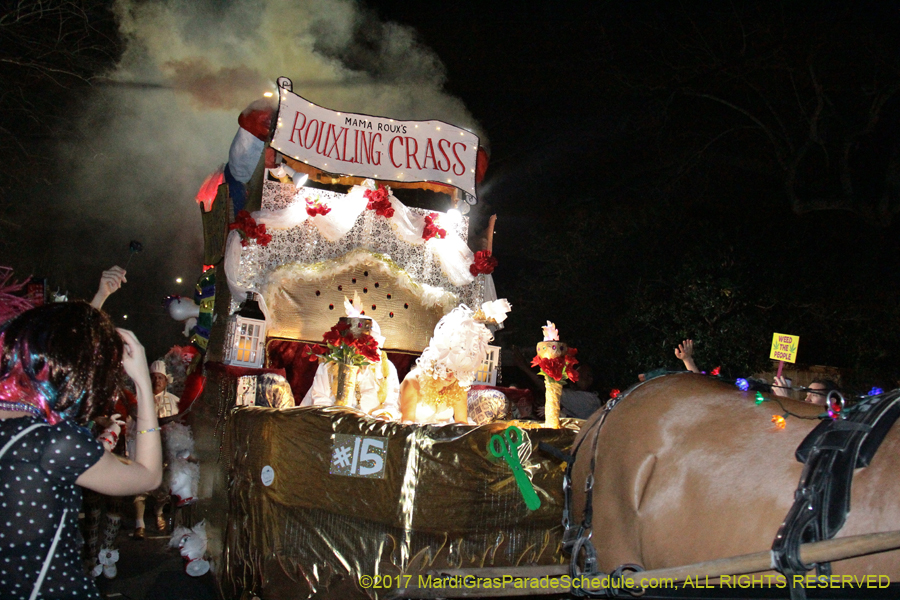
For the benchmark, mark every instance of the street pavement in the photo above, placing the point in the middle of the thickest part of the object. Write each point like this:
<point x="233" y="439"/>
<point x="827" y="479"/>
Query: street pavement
<point x="150" y="570"/>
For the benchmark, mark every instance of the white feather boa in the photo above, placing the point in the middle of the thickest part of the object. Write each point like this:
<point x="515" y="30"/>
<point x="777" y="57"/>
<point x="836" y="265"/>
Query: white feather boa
<point x="192" y="544"/>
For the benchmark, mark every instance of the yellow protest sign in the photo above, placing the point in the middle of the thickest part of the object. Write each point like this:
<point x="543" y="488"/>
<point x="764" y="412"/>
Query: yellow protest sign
<point x="784" y="347"/>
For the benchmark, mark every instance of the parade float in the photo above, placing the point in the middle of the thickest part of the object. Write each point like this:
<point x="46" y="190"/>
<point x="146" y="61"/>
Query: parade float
<point x="309" y="502"/>
<point x="683" y="475"/>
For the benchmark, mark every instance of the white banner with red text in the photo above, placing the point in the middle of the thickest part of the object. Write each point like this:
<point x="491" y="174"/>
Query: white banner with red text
<point x="375" y="147"/>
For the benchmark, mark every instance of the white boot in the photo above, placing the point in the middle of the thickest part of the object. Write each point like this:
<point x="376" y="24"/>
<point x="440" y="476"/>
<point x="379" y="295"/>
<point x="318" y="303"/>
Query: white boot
<point x="108" y="559"/>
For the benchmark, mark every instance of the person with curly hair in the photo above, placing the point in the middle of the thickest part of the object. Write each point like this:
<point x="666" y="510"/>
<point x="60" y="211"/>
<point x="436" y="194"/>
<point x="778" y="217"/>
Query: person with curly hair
<point x="60" y="367"/>
<point x="435" y="390"/>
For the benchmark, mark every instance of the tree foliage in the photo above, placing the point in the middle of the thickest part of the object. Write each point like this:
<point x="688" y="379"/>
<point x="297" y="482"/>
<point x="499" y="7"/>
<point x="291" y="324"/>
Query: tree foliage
<point x="50" y="50"/>
<point x="805" y="98"/>
<point x="738" y="175"/>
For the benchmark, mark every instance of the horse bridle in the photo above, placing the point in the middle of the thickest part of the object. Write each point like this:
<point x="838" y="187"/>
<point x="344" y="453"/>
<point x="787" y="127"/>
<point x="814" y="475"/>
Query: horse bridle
<point x="577" y="541"/>
<point x="830" y="452"/>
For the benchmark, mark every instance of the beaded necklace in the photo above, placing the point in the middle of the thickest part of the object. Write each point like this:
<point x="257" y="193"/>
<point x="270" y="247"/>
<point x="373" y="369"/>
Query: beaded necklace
<point x="438" y="393"/>
<point x="20" y="407"/>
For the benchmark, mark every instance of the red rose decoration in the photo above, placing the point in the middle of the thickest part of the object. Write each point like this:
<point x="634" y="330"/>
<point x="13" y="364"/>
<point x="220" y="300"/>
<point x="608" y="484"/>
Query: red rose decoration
<point x="335" y="334"/>
<point x="571" y="361"/>
<point x="483" y="263"/>
<point x="379" y="202"/>
<point x="314" y="207"/>
<point x="615" y="393"/>
<point x="341" y="347"/>
<point x="368" y="347"/>
<point x="552" y="369"/>
<point x="249" y="230"/>
<point x="314" y="351"/>
<point x="431" y="230"/>
<point x="558" y="369"/>
<point x="716" y="371"/>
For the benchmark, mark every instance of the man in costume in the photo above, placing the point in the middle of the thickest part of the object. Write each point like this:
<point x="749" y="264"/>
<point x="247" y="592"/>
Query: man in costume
<point x="377" y="389"/>
<point x="166" y="409"/>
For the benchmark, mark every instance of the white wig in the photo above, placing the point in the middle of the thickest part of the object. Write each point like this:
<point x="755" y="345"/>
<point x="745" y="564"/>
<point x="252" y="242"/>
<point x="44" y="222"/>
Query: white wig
<point x="457" y="348"/>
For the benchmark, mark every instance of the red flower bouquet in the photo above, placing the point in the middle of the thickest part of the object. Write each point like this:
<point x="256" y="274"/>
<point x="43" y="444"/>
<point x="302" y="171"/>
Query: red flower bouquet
<point x="314" y="206"/>
<point x="341" y="346"/>
<point x="249" y="230"/>
<point x="558" y="369"/>
<point x="379" y="202"/>
<point x="483" y="263"/>
<point x="431" y="230"/>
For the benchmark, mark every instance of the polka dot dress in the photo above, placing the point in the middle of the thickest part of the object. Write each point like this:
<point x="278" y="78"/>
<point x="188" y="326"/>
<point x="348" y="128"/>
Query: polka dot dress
<point x="37" y="482"/>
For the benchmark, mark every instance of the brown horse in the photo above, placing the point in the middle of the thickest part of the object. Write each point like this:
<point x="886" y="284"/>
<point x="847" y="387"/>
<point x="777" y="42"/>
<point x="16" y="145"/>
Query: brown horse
<point x="690" y="469"/>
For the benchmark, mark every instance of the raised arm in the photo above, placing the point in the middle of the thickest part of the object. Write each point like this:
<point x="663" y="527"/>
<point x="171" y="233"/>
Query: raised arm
<point x="111" y="475"/>
<point x="111" y="280"/>
<point x="685" y="352"/>
<point x="780" y="387"/>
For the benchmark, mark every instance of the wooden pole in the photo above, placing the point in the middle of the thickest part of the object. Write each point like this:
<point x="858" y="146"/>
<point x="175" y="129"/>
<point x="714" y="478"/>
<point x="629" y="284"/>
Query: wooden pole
<point x="490" y="233"/>
<point x="815" y="552"/>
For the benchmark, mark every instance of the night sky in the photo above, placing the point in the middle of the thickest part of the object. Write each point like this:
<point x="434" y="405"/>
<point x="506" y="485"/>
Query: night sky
<point x="598" y="122"/>
<point x="659" y="170"/>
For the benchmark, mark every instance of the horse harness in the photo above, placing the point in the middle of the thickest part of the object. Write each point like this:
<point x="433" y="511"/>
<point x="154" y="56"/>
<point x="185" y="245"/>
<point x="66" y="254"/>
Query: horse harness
<point x="830" y="452"/>
<point x="577" y="540"/>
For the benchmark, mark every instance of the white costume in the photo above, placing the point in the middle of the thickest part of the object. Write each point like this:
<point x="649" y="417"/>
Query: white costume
<point x="455" y="351"/>
<point x="429" y="415"/>
<point x="166" y="404"/>
<point x="368" y="382"/>
<point x="373" y="381"/>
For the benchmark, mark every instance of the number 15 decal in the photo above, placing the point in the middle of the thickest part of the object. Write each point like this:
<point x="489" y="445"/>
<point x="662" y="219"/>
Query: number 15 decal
<point x="358" y="456"/>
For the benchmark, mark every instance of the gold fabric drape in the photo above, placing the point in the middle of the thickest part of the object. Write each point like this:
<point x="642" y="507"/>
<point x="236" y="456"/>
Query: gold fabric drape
<point x="443" y="501"/>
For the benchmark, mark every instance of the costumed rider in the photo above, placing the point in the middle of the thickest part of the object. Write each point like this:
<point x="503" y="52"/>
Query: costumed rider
<point x="377" y="390"/>
<point x="435" y="391"/>
<point x="166" y="402"/>
<point x="166" y="410"/>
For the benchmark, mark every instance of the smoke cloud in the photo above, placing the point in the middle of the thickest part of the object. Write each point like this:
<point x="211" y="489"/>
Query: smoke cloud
<point x="148" y="139"/>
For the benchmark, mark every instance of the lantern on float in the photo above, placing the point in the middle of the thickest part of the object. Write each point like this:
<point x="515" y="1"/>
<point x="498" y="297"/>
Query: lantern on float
<point x="246" y="337"/>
